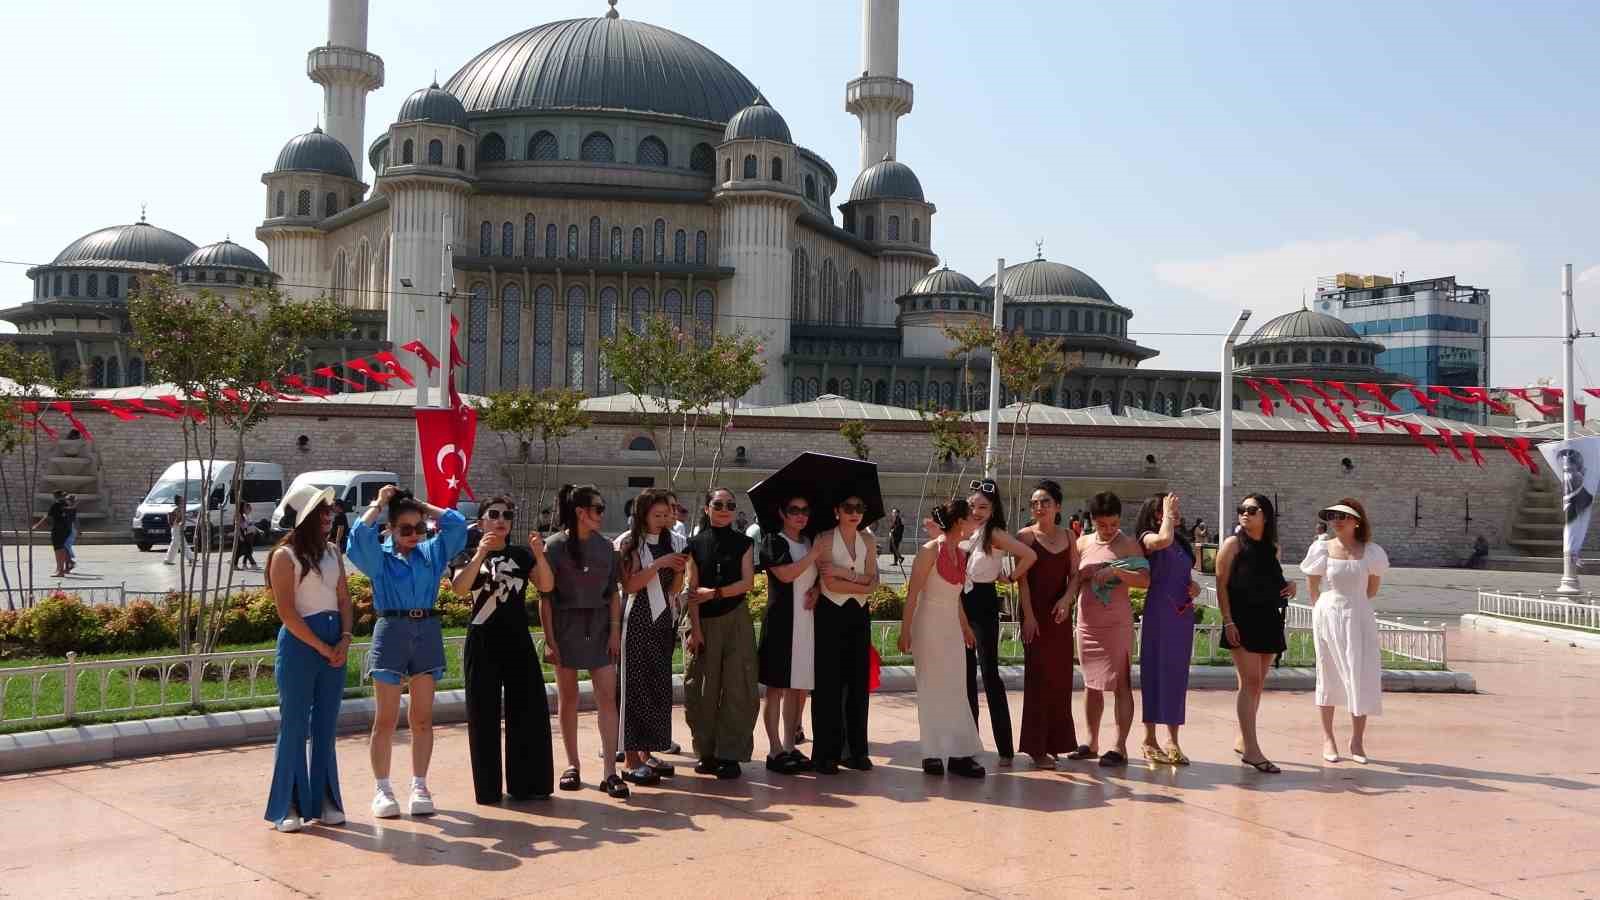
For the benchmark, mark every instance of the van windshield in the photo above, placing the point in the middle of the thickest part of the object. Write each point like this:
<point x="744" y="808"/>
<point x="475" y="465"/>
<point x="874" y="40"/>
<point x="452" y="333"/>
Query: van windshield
<point x="166" y="492"/>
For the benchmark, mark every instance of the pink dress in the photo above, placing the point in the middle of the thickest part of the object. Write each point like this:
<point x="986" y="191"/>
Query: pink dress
<point x="1105" y="630"/>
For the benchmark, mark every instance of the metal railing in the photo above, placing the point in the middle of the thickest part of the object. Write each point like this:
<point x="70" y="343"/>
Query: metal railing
<point x="1539" y="609"/>
<point x="102" y="594"/>
<point x="1425" y="645"/>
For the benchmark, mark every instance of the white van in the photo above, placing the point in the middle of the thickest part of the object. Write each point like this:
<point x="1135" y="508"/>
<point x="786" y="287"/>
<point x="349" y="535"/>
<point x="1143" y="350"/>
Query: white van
<point x="261" y="487"/>
<point x="356" y="488"/>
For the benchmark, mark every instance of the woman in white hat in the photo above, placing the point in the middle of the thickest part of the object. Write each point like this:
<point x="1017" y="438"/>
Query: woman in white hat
<point x="1345" y="571"/>
<point x="306" y="576"/>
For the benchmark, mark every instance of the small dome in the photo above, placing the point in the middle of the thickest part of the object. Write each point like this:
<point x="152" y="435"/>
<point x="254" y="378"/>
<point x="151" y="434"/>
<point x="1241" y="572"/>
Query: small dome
<point x="888" y="179"/>
<point x="224" y="255"/>
<point x="757" y="121"/>
<point x="1042" y="278"/>
<point x="433" y="104"/>
<point x="1305" y="324"/>
<point x="315" y="151"/>
<point x="138" y="243"/>
<point x="945" y="281"/>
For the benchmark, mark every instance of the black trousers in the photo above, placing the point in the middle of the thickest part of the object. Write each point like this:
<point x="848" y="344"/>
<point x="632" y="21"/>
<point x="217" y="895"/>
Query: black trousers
<point x="982" y="605"/>
<point x="839" y="699"/>
<point x="244" y="547"/>
<point x="497" y="658"/>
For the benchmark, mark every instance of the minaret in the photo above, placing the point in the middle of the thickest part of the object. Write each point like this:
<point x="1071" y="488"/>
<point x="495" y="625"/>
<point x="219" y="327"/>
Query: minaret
<point x="347" y="73"/>
<point x="879" y="97"/>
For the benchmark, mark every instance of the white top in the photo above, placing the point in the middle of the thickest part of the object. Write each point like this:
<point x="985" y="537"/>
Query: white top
<point x="797" y="551"/>
<point x="1345" y="579"/>
<point x="318" y="591"/>
<point x="842" y="561"/>
<point x="983" y="566"/>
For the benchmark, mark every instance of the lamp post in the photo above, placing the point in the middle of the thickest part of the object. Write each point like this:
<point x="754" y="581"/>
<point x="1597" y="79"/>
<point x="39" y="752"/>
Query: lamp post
<point x="1225" y="412"/>
<point x="1569" y="556"/>
<point x="991" y="466"/>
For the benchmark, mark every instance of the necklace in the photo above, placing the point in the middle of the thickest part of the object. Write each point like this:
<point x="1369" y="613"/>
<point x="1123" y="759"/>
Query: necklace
<point x="1097" y="540"/>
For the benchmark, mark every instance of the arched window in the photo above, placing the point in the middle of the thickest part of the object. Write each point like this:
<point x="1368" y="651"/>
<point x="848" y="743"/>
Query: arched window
<point x="1280" y="357"/>
<point x="639" y="309"/>
<point x="1036" y="320"/>
<point x="597" y="147"/>
<point x="552" y="241"/>
<point x="461" y="157"/>
<point x="577" y="303"/>
<point x="852" y="298"/>
<point x="1095" y="399"/>
<point x="508" y="239"/>
<point x="113" y="284"/>
<point x="57" y="279"/>
<point x="1338" y="357"/>
<point x="543" y="147"/>
<point x="949" y="395"/>
<point x="777" y="168"/>
<point x="813" y="389"/>
<point x="672" y="306"/>
<point x="1188" y="402"/>
<point x="800" y="287"/>
<point x="97" y="372"/>
<point x="408" y="152"/>
<point x="595" y="249"/>
<point x="72" y="285"/>
<point x="705" y="309"/>
<point x="486" y="239"/>
<point x="607" y="332"/>
<point x="302" y="204"/>
<point x="477" y="336"/>
<point x="492" y="148"/>
<point x="530" y="236"/>
<point x="1316" y="355"/>
<point x="828" y="290"/>
<point x="651" y="152"/>
<point x="544" y="315"/>
<point x="893" y="226"/>
<point x="727" y="170"/>
<point x="278" y="205"/>
<point x="811" y="187"/>
<point x="135" y="371"/>
<point x="797" y="390"/>
<point x="616" y="243"/>
<point x="572" y="242"/>
<point x="699" y="248"/>
<point x="871" y="231"/>
<point x="899" y="398"/>
<point x="636" y="246"/>
<point x="750" y="166"/>
<point x="1072" y="320"/>
<point x="702" y="158"/>
<point x="1299" y="355"/>
<point x="642" y="443"/>
<point x="1172" y="405"/>
<point x="916" y="231"/>
<point x="880" y="392"/>
<point x="680" y="247"/>
<point x="510" y="335"/>
<point x="658" y="241"/>
<point x="436" y="152"/>
<point x="92" y="284"/>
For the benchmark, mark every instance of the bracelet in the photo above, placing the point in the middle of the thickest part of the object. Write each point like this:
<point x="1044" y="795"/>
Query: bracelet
<point x="346" y="635"/>
<point x="1227" y="623"/>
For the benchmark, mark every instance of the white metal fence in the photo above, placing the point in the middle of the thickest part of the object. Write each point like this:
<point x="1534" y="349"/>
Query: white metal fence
<point x="1539" y="609"/>
<point x="107" y="594"/>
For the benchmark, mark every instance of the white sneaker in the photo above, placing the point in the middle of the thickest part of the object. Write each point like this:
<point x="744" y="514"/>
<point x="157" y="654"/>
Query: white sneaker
<point x="332" y="816"/>
<point x="289" y="824"/>
<point x="384" y="806"/>
<point x="421" y="802"/>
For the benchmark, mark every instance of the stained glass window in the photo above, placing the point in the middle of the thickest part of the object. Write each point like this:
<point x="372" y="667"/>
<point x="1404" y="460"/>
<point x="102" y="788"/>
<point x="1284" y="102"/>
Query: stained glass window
<point x="652" y="152"/>
<point x="510" y="335"/>
<point x="699" y="248"/>
<point x="608" y="331"/>
<point x="598" y="148"/>
<point x="544" y="313"/>
<point x="577" y="300"/>
<point x="639" y="309"/>
<point x="477" y="337"/>
<point x="544" y="147"/>
<point x="672" y="307"/>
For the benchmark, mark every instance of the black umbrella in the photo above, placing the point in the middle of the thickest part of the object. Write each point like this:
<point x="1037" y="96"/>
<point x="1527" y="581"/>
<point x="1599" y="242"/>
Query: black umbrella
<point x="823" y="480"/>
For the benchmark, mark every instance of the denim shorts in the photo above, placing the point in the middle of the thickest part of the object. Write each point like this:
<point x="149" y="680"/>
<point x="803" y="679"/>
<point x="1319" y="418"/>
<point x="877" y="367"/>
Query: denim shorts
<point x="402" y="647"/>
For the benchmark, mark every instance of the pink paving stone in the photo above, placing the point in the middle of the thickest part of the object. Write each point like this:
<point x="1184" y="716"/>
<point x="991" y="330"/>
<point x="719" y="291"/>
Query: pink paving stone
<point x="1495" y="794"/>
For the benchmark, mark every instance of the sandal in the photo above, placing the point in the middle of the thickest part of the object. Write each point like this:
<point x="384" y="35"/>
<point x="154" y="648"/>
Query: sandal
<point x="642" y="775"/>
<point x="615" y="787"/>
<point x="1112" y="758"/>
<point x="665" y="770"/>
<point x="570" y="780"/>
<point x="1155" y="754"/>
<point x="1263" y="765"/>
<point x="1175" y="755"/>
<point x="1083" y="752"/>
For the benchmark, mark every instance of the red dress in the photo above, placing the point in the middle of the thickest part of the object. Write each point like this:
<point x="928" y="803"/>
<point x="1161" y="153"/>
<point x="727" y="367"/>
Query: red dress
<point x="1047" y="677"/>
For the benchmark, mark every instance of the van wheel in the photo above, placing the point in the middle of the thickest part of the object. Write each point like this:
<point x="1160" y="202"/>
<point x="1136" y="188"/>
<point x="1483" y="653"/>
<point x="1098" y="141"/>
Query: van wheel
<point x="145" y="548"/>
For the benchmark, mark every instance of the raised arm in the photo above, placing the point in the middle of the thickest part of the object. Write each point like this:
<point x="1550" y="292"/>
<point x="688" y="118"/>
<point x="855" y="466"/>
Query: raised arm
<point x="1163" y="538"/>
<point x="1024" y="554"/>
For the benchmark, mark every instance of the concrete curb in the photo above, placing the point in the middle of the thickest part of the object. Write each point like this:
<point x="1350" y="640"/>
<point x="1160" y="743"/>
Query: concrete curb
<point x="1572" y="637"/>
<point x="88" y="744"/>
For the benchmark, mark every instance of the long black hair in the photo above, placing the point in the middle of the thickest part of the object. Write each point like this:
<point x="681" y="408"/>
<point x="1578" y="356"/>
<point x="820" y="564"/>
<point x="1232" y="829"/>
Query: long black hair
<point x="1269" y="519"/>
<point x="569" y="500"/>
<point x="1053" y="488"/>
<point x="705" y="517"/>
<point x="403" y="502"/>
<point x="997" y="510"/>
<point x="948" y="513"/>
<point x="305" y="542"/>
<point x="639" y="525"/>
<point x="1149" y="521"/>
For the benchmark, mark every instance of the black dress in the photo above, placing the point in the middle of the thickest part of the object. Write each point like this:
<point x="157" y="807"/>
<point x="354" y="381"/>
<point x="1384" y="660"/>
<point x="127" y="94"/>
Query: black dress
<point x="647" y="645"/>
<point x="775" y="663"/>
<point x="61" y="518"/>
<point x="1255" y="585"/>
<point x="499" y="656"/>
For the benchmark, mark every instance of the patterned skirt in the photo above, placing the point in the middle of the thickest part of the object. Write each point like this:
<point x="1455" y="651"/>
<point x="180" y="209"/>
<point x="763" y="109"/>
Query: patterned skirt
<point x="647" y="647"/>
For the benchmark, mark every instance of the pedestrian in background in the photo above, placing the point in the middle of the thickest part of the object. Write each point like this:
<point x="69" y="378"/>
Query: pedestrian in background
<point x="897" y="534"/>
<point x="59" y="517"/>
<point x="244" y="538"/>
<point x="72" y="535"/>
<point x="177" y="521"/>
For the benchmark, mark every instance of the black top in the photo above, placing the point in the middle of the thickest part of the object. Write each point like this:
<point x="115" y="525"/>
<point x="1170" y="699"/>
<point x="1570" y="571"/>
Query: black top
<point x="341" y="528"/>
<point x="897" y="530"/>
<point x="719" y="560"/>
<point x="502" y="579"/>
<point x="1256" y="578"/>
<point x="61" y="517"/>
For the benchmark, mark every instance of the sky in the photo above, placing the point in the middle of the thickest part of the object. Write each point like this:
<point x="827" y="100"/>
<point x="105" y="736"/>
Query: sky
<point x="1194" y="158"/>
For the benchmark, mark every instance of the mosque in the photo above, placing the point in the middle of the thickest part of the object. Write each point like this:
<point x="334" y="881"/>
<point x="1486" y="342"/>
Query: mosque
<point x="594" y="172"/>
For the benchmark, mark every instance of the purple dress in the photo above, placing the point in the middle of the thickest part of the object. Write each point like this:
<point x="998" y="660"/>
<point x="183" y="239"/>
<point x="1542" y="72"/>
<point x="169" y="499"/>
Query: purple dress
<point x="1166" y="641"/>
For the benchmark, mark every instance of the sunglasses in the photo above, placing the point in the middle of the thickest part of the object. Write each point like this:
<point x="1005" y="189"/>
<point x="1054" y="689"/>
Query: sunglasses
<point x="1040" y="502"/>
<point x="798" y="511"/>
<point x="408" y="530"/>
<point x="598" y="509"/>
<point x="985" y="487"/>
<point x="853" y="508"/>
<point x="1248" y="510"/>
<point x="723" y="505"/>
<point x="1339" y="516"/>
<point x="494" y="514"/>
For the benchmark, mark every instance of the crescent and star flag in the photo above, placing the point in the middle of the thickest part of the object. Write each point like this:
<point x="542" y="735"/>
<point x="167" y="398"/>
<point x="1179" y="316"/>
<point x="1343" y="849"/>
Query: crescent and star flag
<point x="446" y="438"/>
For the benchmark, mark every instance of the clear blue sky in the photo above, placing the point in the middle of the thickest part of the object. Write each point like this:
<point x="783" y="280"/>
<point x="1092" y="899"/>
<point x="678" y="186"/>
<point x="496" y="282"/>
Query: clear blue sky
<point x="1193" y="157"/>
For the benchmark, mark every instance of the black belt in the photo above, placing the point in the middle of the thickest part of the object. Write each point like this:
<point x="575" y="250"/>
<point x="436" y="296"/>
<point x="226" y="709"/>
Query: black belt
<point x="409" y="613"/>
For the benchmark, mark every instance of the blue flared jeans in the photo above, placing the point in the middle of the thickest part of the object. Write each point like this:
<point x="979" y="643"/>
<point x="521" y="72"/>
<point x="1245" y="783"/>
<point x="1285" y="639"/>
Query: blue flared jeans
<point x="309" y="692"/>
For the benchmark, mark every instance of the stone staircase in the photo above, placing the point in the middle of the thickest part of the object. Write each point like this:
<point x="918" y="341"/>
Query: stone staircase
<point x="1534" y="538"/>
<point x="74" y="467"/>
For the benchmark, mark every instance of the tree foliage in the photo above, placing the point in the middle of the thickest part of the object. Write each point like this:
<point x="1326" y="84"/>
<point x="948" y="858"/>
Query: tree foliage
<point x="854" y="433"/>
<point x="549" y="416"/>
<point x="29" y="382"/>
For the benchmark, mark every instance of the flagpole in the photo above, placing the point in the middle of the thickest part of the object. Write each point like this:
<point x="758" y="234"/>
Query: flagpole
<point x="1225" y="417"/>
<point x="447" y="287"/>
<point x="991" y="465"/>
<point x="1569" y="561"/>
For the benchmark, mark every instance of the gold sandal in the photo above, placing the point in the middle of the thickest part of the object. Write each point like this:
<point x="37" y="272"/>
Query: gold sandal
<point x="1176" y="757"/>
<point x="1155" y="754"/>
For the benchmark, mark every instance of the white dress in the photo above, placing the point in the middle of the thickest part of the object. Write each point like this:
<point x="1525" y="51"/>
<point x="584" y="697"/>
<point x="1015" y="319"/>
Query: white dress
<point x="803" y="639"/>
<point x="1345" y="627"/>
<point x="948" y="729"/>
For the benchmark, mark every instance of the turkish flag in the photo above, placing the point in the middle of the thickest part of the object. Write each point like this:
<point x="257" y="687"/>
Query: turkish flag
<point x="446" y="438"/>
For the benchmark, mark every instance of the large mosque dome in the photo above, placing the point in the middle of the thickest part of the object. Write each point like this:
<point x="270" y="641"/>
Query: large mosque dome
<point x="1041" y="279"/>
<point x="602" y="64"/>
<point x="139" y="244"/>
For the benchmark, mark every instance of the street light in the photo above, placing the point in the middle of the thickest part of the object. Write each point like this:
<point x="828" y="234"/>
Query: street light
<point x="1225" y="410"/>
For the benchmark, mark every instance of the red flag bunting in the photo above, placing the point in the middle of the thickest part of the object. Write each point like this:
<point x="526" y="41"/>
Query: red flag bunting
<point x="1262" y="399"/>
<point x="65" y="409"/>
<point x="417" y="349"/>
<point x="138" y="405"/>
<point x="365" y="368"/>
<point x="1449" y="444"/>
<point x="1311" y="386"/>
<point x="109" y="407"/>
<point x="393" y="367"/>
<point x="1380" y="420"/>
<point x="1481" y="395"/>
<point x="1344" y="392"/>
<point x="1472" y="447"/>
<point x="1415" y="431"/>
<point x="270" y="388"/>
<point x="1526" y="395"/>
<point x="173" y="403"/>
<point x="329" y="373"/>
<point x="1428" y="403"/>
<point x="299" y="384"/>
<point x="1372" y="388"/>
<point x="1339" y="414"/>
<point x="1594" y="392"/>
<point x="1287" y="395"/>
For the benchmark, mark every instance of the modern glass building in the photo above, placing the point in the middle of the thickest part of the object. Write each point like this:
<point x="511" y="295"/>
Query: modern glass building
<point x="1434" y="330"/>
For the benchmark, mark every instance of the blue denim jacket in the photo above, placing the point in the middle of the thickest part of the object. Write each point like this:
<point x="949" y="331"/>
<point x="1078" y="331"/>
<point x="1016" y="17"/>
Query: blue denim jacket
<point x="406" y="582"/>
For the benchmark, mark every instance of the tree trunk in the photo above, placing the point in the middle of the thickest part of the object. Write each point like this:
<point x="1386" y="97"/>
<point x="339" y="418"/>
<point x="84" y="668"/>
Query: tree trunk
<point x="916" y="530"/>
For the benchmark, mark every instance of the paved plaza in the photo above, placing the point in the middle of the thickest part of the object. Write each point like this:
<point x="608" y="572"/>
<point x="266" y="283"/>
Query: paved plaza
<point x="1488" y="795"/>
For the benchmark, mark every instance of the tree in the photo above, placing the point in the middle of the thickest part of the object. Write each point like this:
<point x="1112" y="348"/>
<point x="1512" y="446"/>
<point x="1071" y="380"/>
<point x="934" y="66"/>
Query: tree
<point x="966" y="339"/>
<point x="549" y="416"/>
<point x="29" y="383"/>
<point x="1027" y="366"/>
<point x="951" y="437"/>
<point x="223" y="358"/>
<point x="855" y="434"/>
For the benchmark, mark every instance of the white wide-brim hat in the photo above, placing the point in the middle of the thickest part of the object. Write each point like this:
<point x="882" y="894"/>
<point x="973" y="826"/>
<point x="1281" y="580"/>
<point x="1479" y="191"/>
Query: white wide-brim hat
<point x="1337" y="507"/>
<point x="302" y="500"/>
